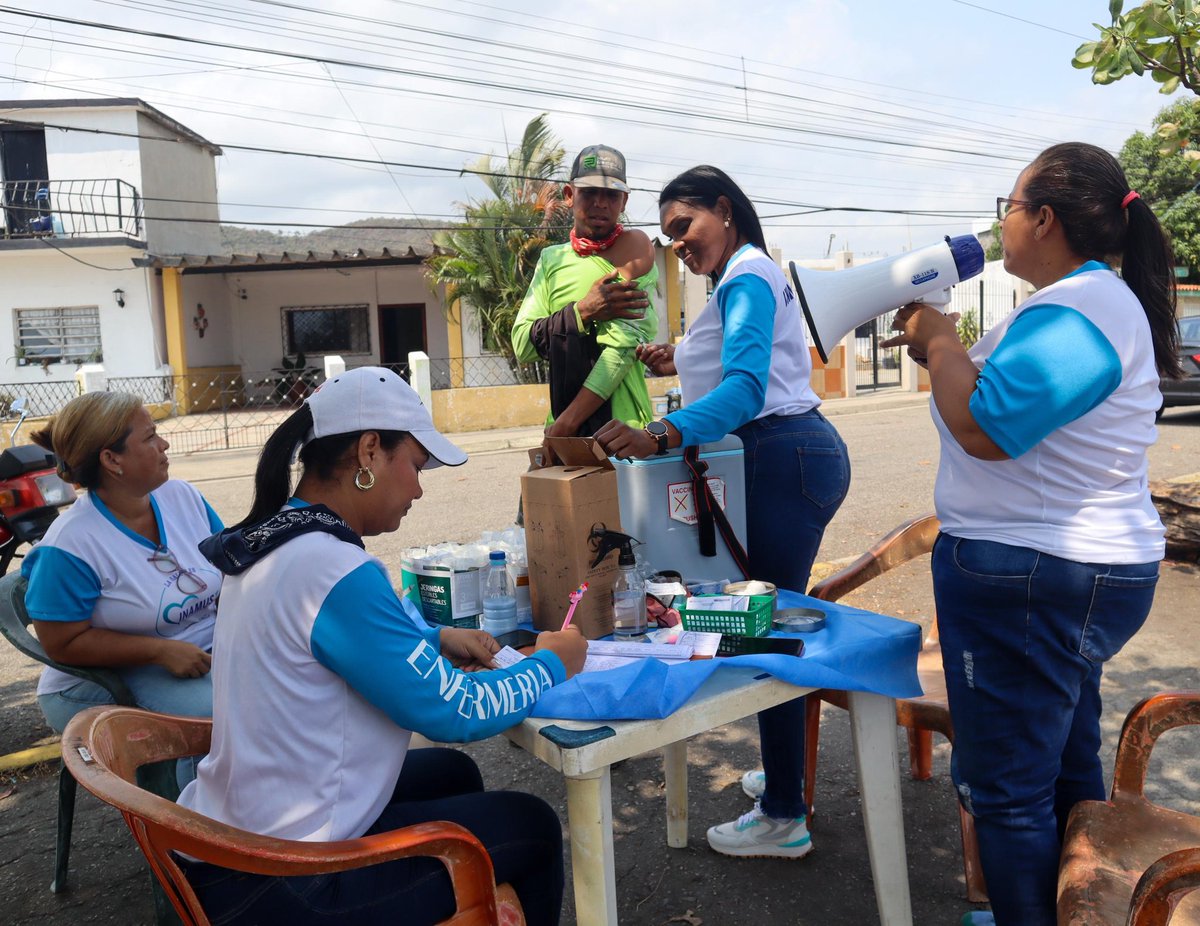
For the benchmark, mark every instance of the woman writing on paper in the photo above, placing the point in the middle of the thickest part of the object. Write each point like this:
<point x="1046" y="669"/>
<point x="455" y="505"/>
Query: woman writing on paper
<point x="322" y="674"/>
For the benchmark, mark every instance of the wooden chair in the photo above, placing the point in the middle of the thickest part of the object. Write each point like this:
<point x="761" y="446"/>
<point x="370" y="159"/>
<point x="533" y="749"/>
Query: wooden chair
<point x="921" y="717"/>
<point x="104" y="746"/>
<point x="14" y="625"/>
<point x="1126" y="860"/>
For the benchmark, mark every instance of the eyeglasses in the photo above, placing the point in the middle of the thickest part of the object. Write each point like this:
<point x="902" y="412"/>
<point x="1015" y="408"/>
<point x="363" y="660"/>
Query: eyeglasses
<point x="186" y="581"/>
<point x="1004" y="205"/>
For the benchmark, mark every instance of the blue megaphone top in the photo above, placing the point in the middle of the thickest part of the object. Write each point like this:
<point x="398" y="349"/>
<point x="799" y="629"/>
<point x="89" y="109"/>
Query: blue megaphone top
<point x="968" y="255"/>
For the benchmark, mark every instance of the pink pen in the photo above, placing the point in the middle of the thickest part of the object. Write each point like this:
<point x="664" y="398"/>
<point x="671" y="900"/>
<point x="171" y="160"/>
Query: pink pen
<point x="574" y="596"/>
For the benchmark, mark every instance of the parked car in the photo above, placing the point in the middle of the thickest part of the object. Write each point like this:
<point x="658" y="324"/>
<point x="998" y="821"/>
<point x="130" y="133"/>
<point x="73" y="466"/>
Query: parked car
<point x="1185" y="391"/>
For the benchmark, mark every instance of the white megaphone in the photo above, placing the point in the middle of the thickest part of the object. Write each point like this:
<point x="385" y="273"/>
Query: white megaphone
<point x="836" y="303"/>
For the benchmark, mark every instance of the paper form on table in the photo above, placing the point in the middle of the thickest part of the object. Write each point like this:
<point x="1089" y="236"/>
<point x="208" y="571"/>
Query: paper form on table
<point x="703" y="644"/>
<point x="612" y="654"/>
<point x="506" y="657"/>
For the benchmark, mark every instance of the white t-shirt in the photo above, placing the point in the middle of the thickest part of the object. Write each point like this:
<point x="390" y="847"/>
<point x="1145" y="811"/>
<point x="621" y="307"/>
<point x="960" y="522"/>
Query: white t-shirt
<point x="90" y="566"/>
<point x="746" y="355"/>
<point x="319" y="674"/>
<point x="1068" y="388"/>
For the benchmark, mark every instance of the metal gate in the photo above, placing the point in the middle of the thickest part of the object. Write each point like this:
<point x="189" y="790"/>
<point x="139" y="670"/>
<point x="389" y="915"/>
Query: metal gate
<point x="875" y="367"/>
<point x="221" y="411"/>
<point x="981" y="305"/>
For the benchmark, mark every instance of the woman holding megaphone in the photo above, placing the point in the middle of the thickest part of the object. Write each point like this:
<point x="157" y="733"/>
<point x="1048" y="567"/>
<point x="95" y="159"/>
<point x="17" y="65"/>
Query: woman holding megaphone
<point x="744" y="367"/>
<point x="1048" y="556"/>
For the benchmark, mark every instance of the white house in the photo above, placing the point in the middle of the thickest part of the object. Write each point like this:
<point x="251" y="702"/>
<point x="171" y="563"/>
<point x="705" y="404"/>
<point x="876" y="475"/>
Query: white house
<point x="88" y="186"/>
<point x="111" y="253"/>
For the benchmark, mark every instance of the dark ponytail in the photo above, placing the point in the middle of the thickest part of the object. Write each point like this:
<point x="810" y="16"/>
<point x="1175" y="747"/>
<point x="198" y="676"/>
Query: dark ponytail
<point x="1086" y="186"/>
<point x="321" y="458"/>
<point x="1148" y="267"/>
<point x="273" y="476"/>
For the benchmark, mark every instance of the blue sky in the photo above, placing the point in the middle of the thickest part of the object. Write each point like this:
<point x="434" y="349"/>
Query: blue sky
<point x="929" y="105"/>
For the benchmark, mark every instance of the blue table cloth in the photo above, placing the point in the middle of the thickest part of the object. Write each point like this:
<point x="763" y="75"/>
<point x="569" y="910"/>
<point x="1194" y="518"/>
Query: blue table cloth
<point x="856" y="651"/>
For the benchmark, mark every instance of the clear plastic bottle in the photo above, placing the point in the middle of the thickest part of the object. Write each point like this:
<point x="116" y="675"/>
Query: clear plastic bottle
<point x="499" y="601"/>
<point x="629" y="598"/>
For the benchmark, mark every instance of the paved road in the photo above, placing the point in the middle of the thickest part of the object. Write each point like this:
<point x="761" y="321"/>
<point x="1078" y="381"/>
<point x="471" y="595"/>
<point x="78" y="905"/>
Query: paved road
<point x="894" y="455"/>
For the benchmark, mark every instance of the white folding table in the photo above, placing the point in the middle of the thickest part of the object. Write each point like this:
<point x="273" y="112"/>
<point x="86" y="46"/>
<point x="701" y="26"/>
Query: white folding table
<point x="584" y="751"/>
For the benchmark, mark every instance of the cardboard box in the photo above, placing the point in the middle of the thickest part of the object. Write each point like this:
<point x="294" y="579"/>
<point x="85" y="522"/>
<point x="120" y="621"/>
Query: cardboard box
<point x="561" y="505"/>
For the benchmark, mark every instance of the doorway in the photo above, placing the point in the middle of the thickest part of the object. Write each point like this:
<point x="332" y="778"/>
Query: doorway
<point x="401" y="331"/>
<point x="24" y="169"/>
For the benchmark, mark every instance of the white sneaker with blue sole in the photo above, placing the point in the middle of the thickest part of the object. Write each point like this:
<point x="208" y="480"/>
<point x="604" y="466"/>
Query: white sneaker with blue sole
<point x="755" y="835"/>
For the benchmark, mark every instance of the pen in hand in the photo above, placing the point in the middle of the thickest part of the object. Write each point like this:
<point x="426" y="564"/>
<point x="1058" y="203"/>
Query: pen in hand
<point x="574" y="596"/>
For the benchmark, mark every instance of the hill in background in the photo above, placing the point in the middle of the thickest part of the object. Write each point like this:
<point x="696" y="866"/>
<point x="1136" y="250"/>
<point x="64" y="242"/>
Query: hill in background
<point x="416" y="234"/>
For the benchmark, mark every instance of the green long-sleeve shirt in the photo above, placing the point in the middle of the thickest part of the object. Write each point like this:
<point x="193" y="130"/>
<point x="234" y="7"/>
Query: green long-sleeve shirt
<point x="563" y="277"/>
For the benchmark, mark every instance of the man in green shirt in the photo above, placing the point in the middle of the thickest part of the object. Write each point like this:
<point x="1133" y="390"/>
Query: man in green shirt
<point x="589" y="305"/>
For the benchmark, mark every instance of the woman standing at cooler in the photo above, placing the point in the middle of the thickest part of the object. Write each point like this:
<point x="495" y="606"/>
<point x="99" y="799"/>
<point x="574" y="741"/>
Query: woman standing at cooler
<point x="744" y="367"/>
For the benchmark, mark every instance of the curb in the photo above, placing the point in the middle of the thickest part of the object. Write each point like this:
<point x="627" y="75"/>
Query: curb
<point x="859" y="405"/>
<point x="15" y="761"/>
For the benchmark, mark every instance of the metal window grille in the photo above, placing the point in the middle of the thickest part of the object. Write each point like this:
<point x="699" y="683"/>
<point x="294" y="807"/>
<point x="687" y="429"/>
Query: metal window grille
<point x="70" y="333"/>
<point x="326" y="329"/>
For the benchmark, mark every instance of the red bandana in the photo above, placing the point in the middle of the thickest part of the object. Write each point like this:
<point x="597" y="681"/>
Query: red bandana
<point x="586" y="247"/>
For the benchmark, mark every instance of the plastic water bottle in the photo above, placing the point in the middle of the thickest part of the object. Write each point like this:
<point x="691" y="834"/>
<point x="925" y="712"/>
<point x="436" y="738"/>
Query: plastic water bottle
<point x="499" y="601"/>
<point x="629" y="598"/>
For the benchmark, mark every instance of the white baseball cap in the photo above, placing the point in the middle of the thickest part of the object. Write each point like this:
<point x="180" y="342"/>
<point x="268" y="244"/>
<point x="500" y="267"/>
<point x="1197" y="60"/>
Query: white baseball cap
<point x="376" y="399"/>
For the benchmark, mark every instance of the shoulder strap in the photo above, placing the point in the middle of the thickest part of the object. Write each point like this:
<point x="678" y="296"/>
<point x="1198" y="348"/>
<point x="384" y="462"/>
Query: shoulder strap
<point x="710" y="515"/>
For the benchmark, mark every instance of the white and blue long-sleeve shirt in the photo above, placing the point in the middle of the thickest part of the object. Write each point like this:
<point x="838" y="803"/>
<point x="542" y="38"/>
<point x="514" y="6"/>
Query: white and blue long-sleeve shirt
<point x="320" y="674"/>
<point x="746" y="355"/>
<point x="1068" y="389"/>
<point x="91" y="567"/>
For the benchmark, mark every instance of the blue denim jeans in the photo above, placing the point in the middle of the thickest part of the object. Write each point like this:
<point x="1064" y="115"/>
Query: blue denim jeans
<point x="521" y="832"/>
<point x="797" y="474"/>
<point x="1024" y="636"/>
<point x="152" y="687"/>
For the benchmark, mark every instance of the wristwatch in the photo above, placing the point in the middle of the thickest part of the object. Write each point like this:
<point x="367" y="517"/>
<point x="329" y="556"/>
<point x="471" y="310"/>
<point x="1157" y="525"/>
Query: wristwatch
<point x="658" y="430"/>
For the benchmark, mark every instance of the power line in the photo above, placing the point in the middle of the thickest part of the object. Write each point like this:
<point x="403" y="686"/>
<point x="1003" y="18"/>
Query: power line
<point x="561" y="94"/>
<point x="709" y="54"/>
<point x="657" y="124"/>
<point x="460" y="171"/>
<point x="80" y="260"/>
<point x="1028" y="22"/>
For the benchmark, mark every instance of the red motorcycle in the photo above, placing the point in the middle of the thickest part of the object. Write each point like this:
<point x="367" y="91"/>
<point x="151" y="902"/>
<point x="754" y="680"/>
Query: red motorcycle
<point x="31" y="492"/>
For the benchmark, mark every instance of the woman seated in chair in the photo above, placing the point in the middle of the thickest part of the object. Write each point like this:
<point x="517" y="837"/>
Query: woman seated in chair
<point x="322" y="674"/>
<point x="118" y="580"/>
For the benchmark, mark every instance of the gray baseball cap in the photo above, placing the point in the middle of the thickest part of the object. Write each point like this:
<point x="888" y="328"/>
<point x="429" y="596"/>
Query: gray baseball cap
<point x="599" y="166"/>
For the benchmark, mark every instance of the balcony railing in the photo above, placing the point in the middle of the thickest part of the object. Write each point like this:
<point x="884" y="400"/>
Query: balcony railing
<point x="71" y="208"/>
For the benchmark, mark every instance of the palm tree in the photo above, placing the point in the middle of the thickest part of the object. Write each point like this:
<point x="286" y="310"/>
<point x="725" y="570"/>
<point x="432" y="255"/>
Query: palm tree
<point x="492" y="256"/>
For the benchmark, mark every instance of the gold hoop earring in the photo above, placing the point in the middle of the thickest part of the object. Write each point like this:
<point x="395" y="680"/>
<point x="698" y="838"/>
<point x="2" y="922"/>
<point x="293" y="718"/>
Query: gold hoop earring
<point x="358" y="479"/>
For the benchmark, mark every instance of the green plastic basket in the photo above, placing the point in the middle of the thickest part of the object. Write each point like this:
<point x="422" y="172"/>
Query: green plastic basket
<point x="755" y="622"/>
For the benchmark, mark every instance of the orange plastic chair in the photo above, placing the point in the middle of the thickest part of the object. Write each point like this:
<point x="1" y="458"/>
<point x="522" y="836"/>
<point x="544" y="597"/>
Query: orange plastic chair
<point x="103" y="748"/>
<point x="921" y="717"/>
<point x="1126" y="860"/>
